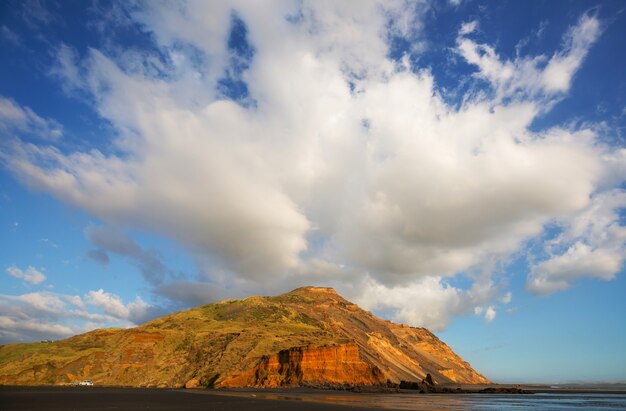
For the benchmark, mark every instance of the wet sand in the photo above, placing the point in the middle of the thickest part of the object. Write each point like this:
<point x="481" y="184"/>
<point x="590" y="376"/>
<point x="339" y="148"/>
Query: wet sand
<point x="108" y="398"/>
<point x="556" y="399"/>
<point x="301" y="399"/>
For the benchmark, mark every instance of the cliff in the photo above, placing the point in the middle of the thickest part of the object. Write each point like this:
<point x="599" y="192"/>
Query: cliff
<point x="340" y="364"/>
<point x="308" y="336"/>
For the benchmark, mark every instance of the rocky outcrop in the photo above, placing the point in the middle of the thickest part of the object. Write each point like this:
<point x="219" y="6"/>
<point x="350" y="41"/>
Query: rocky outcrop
<point x="340" y="364"/>
<point x="428" y="380"/>
<point x="504" y="390"/>
<point x="192" y="383"/>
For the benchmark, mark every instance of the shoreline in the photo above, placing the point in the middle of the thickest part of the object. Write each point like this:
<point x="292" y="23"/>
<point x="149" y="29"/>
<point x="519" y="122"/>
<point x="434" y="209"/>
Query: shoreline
<point x="100" y="398"/>
<point x="445" y="389"/>
<point x="551" y="388"/>
<point x="465" y="390"/>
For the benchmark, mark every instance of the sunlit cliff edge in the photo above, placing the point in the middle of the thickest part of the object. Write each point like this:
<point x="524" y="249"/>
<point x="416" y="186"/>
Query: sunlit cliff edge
<point x="309" y="336"/>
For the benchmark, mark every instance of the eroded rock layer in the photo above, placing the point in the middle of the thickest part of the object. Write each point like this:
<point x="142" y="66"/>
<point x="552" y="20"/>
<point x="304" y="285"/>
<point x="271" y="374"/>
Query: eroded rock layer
<point x="340" y="364"/>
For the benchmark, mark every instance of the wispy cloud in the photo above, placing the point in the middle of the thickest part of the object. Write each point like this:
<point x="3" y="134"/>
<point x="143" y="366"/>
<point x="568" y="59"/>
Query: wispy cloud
<point x="30" y="274"/>
<point x="507" y="298"/>
<point x="44" y="314"/>
<point x="15" y="118"/>
<point x="490" y="314"/>
<point x="37" y="15"/>
<point x="531" y="76"/>
<point x="111" y="240"/>
<point x="8" y="35"/>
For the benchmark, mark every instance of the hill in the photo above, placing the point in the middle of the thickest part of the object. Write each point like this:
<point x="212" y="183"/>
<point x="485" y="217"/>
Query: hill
<point x="308" y="336"/>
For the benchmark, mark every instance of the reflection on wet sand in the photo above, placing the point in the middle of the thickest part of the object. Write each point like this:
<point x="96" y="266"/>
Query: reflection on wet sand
<point x="404" y="401"/>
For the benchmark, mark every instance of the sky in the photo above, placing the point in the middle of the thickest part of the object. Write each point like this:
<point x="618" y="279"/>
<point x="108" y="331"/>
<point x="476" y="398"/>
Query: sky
<point x="454" y="165"/>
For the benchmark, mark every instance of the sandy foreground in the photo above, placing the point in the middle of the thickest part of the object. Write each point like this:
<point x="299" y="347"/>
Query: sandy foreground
<point x="108" y="398"/>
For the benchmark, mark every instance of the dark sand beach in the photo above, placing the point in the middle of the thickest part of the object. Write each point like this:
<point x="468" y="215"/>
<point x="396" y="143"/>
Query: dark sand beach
<point x="108" y="398"/>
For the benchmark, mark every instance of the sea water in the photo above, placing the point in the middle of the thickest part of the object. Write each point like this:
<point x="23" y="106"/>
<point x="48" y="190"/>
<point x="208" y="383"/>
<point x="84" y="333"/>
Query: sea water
<point x="540" y="401"/>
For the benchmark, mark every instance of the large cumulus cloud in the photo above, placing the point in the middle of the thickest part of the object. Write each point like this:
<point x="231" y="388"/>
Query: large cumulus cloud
<point x="335" y="163"/>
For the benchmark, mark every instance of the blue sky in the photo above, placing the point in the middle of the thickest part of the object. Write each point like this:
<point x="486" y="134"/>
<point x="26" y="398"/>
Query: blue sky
<point x="455" y="165"/>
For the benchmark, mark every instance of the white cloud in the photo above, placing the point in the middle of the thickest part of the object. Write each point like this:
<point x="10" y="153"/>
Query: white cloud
<point x="347" y="166"/>
<point x="75" y="300"/>
<point x="592" y="245"/>
<point x="45" y="314"/>
<point x="42" y="301"/>
<point x="469" y="27"/>
<point x="110" y="303"/>
<point x="537" y="76"/>
<point x="557" y="75"/>
<point x="37" y="15"/>
<point x="135" y="312"/>
<point x="427" y="301"/>
<point x="490" y="314"/>
<point x="12" y="327"/>
<point x="424" y="302"/>
<point x="578" y="261"/>
<point x="8" y="35"/>
<point x="39" y="315"/>
<point x="30" y="275"/>
<point x="13" y="117"/>
<point x="507" y="298"/>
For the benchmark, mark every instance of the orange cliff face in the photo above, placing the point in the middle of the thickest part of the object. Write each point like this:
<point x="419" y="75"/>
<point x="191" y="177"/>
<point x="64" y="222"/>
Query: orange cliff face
<point x="340" y="364"/>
